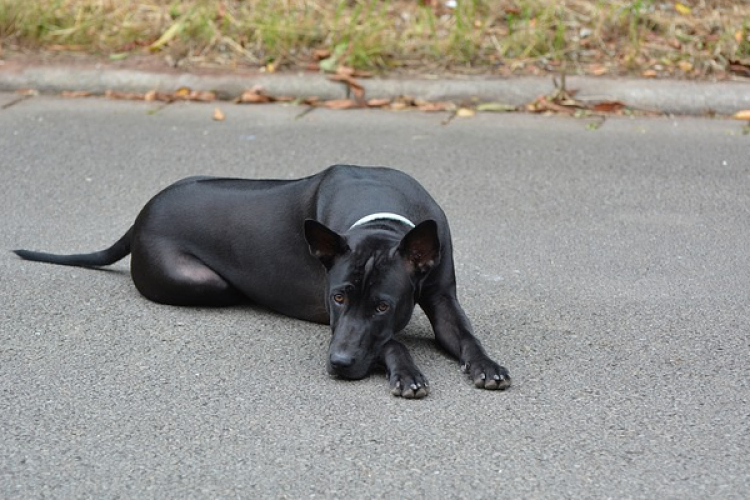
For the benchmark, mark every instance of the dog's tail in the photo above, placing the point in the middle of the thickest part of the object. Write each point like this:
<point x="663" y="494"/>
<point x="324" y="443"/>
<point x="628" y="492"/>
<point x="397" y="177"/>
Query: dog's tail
<point x="105" y="257"/>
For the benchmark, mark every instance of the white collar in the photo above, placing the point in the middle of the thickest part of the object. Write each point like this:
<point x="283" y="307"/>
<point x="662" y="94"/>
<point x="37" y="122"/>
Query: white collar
<point x="382" y="215"/>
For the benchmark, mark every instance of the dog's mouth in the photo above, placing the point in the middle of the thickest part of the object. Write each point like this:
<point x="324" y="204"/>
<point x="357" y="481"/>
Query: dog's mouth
<point x="355" y="371"/>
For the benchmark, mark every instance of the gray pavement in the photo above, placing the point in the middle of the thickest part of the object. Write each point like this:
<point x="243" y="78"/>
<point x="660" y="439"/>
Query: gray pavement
<point x="667" y="96"/>
<point x="607" y="269"/>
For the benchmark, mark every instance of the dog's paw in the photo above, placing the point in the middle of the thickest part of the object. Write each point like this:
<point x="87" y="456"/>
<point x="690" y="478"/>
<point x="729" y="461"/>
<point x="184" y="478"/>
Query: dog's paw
<point x="409" y="385"/>
<point x="487" y="374"/>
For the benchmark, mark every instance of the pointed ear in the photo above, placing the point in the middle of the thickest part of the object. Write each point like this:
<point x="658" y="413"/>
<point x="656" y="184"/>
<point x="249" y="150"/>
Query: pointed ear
<point x="325" y="244"/>
<point x="421" y="247"/>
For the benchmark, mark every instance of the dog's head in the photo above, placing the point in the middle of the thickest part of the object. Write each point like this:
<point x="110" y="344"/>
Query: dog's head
<point x="374" y="279"/>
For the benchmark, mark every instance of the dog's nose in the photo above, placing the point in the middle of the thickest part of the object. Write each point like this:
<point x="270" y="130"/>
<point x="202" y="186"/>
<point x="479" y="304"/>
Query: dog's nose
<point x="341" y="360"/>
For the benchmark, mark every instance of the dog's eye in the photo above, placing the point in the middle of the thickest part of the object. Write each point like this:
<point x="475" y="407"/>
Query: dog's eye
<point x="338" y="298"/>
<point x="383" y="307"/>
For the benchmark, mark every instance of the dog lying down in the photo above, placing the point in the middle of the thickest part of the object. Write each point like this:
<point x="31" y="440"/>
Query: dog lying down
<point x="354" y="247"/>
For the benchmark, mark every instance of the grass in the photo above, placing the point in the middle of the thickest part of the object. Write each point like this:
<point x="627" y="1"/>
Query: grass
<point x="691" y="38"/>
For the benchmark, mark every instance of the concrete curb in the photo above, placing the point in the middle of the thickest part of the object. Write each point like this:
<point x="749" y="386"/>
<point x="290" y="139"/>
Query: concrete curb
<point x="668" y="96"/>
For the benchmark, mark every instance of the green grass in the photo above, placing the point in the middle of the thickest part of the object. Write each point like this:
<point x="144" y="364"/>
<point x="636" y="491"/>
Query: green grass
<point x="425" y="36"/>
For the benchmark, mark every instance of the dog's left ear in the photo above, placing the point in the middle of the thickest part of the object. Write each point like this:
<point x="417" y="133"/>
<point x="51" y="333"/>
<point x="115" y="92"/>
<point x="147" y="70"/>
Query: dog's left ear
<point x="421" y="247"/>
<point x="325" y="244"/>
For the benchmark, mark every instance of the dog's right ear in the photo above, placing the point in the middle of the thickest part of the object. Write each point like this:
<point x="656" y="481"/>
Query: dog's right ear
<point x="325" y="244"/>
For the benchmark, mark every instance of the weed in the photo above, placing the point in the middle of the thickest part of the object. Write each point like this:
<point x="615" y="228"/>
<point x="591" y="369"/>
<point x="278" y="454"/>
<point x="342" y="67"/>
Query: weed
<point x="380" y="35"/>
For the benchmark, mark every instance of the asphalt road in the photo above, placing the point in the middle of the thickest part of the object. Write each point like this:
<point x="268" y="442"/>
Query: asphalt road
<point x="607" y="269"/>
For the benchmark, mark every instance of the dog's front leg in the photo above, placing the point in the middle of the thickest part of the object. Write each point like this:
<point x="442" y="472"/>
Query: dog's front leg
<point x="404" y="377"/>
<point x="453" y="333"/>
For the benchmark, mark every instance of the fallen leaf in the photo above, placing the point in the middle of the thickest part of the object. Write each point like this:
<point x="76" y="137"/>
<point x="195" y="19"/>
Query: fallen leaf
<point x="543" y="104"/>
<point x="495" y="107"/>
<point x="218" y="115"/>
<point x="685" y="66"/>
<point x="649" y="73"/>
<point x="344" y="70"/>
<point x="126" y="96"/>
<point x="598" y="69"/>
<point x="378" y="103"/>
<point x="254" y="95"/>
<point x="153" y="95"/>
<point x="66" y="48"/>
<point x="608" y="106"/>
<point x="354" y="87"/>
<point x="465" y="112"/>
<point x="362" y="74"/>
<point x="432" y="107"/>
<point x="742" y="115"/>
<point x="27" y="92"/>
<point x="739" y="68"/>
<point x="399" y="105"/>
<point x="202" y="96"/>
<point x="341" y="104"/>
<point x="182" y="92"/>
<point x="76" y="93"/>
<point x="319" y="54"/>
<point x="682" y="8"/>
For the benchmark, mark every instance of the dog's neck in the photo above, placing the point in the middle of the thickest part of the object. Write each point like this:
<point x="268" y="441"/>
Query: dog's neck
<point x="382" y="216"/>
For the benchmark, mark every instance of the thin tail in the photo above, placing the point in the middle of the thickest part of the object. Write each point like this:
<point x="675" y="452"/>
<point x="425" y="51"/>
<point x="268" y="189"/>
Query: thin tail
<point x="95" y="259"/>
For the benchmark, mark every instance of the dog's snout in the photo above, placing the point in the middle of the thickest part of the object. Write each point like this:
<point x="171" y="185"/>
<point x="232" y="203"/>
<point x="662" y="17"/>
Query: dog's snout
<point x="340" y="360"/>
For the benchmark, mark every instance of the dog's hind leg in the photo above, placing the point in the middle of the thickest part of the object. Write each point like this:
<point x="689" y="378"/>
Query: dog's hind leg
<point x="176" y="278"/>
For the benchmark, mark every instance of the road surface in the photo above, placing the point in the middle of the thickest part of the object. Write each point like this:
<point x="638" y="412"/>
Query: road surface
<point x="606" y="267"/>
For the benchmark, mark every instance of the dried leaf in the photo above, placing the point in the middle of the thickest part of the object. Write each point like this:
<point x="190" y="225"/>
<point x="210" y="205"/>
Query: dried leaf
<point x="354" y="86"/>
<point x="319" y="54"/>
<point x="432" y="107"/>
<point x="76" y="93"/>
<point x="126" y="96"/>
<point x="254" y="96"/>
<point x="496" y="107"/>
<point x="399" y="105"/>
<point x="344" y="70"/>
<point x="742" y="115"/>
<point x="682" y="8"/>
<point x="543" y="104"/>
<point x="218" y="115"/>
<point x="598" y="69"/>
<point x="739" y="68"/>
<point x="465" y="112"/>
<point x="67" y="48"/>
<point x="341" y="104"/>
<point x="378" y="103"/>
<point x="182" y="92"/>
<point x="685" y="66"/>
<point x="649" y="73"/>
<point x="608" y="106"/>
<point x="202" y="96"/>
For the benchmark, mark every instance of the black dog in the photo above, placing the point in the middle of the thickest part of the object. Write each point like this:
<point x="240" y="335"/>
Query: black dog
<point x="207" y="241"/>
